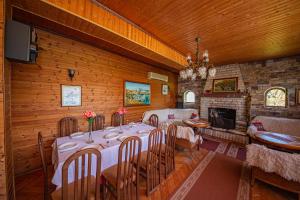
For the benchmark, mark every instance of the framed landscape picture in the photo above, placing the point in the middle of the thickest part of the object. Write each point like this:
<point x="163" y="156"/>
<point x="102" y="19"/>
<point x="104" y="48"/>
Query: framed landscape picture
<point x="225" y="85"/>
<point x="136" y="94"/>
<point x="70" y="95"/>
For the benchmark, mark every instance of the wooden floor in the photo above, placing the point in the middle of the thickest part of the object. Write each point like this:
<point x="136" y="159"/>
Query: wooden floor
<point x="31" y="186"/>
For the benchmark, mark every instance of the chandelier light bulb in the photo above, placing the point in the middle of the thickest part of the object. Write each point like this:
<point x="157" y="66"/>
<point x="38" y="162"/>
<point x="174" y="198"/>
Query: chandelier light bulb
<point x="189" y="58"/>
<point x="202" y="70"/>
<point x="181" y="73"/>
<point x="194" y="76"/>
<point x="212" y="72"/>
<point x="189" y="72"/>
<point x="205" y="54"/>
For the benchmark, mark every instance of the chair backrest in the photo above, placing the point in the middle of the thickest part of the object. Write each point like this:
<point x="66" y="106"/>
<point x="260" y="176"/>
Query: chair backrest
<point x="82" y="186"/>
<point x="153" y="120"/>
<point x="98" y="123"/>
<point x="129" y="163"/>
<point x="44" y="163"/>
<point x="170" y="148"/>
<point x="67" y="126"/>
<point x="153" y="159"/>
<point x="116" y="119"/>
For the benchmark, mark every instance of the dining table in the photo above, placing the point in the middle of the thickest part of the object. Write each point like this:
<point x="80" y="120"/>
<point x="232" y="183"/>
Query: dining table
<point x="109" y="148"/>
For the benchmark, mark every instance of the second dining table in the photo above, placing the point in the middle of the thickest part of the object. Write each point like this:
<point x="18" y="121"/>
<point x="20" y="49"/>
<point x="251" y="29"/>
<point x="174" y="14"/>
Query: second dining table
<point x="108" y="147"/>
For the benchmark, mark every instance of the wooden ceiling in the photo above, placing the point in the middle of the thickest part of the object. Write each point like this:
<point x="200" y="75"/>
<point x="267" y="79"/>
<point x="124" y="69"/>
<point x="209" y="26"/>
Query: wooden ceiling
<point x="232" y="30"/>
<point x="87" y="21"/>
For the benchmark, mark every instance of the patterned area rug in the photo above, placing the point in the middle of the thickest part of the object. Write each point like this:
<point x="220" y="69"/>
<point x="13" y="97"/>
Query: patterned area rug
<point x="227" y="148"/>
<point x="216" y="177"/>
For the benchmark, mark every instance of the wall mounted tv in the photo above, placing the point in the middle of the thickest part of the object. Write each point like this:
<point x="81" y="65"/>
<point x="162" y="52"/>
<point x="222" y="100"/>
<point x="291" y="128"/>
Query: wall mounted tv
<point x="20" y="42"/>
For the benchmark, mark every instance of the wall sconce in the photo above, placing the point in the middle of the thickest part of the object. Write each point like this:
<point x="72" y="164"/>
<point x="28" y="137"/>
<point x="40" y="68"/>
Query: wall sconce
<point x="71" y="73"/>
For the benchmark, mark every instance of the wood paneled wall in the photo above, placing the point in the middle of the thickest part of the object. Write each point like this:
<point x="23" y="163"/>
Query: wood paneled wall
<point x="2" y="145"/>
<point x="36" y="91"/>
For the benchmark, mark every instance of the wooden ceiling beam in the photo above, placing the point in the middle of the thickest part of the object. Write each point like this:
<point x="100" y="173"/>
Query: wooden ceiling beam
<point x="84" y="17"/>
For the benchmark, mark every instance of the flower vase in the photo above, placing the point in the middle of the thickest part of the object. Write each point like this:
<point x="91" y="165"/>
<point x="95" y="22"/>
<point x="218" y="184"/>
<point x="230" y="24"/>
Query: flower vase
<point x="90" y="139"/>
<point x="121" y="123"/>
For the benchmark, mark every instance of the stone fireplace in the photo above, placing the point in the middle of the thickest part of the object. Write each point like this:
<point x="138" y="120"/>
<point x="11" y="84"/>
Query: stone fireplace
<point x="229" y="127"/>
<point x="239" y="104"/>
<point x="222" y="117"/>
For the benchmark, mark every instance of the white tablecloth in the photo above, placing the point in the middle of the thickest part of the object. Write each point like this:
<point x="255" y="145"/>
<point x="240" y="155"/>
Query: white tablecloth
<point x="109" y="154"/>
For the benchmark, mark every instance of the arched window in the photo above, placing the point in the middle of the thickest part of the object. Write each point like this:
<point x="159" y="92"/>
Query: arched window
<point x="189" y="97"/>
<point x="275" y="97"/>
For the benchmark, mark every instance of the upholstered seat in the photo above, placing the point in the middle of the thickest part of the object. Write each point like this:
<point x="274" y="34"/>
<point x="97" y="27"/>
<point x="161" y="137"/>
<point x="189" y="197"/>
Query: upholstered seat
<point x="163" y="116"/>
<point x="57" y="194"/>
<point x="163" y="149"/>
<point x="143" y="161"/>
<point x="110" y="175"/>
<point x="276" y="125"/>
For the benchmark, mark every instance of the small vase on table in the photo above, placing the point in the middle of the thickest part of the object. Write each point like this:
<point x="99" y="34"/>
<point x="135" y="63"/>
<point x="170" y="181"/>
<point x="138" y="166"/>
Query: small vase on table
<point x="121" y="112"/>
<point x="89" y="116"/>
<point x="90" y="139"/>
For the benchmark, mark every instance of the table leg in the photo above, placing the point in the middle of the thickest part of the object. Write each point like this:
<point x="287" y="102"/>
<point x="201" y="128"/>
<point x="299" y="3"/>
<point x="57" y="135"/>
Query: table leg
<point x="197" y="131"/>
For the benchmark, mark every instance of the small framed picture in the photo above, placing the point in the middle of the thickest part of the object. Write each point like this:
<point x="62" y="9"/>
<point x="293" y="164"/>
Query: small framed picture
<point x="70" y="95"/>
<point x="165" y="89"/>
<point x="298" y="96"/>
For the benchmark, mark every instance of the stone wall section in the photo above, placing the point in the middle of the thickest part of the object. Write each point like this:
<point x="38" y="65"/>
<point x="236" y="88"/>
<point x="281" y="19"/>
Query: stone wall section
<point x="256" y="78"/>
<point x="259" y="76"/>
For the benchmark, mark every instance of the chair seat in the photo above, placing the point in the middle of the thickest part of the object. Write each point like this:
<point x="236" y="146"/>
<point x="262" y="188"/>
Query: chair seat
<point x="110" y="175"/>
<point x="163" y="149"/>
<point x="57" y="194"/>
<point x="143" y="160"/>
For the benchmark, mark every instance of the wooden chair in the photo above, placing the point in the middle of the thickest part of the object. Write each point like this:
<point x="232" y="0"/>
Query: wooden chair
<point x="153" y="120"/>
<point x="122" y="180"/>
<point x="168" y="150"/>
<point x="47" y="186"/>
<point x="67" y="126"/>
<point x="85" y="188"/>
<point x="151" y="161"/>
<point x="98" y="123"/>
<point x="116" y="119"/>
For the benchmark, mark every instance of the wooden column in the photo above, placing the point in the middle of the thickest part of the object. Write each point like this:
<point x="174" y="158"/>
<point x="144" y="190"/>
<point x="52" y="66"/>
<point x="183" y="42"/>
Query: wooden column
<point x="6" y="159"/>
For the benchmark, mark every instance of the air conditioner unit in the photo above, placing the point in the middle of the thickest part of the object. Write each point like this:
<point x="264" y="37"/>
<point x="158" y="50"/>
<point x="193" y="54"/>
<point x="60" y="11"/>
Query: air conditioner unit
<point x="156" y="76"/>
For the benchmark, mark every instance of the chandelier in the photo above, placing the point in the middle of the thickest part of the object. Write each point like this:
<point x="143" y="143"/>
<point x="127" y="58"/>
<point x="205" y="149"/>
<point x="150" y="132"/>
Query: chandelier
<point x="200" y="68"/>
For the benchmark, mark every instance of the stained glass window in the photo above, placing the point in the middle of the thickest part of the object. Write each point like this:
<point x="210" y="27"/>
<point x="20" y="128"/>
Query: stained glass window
<point x="275" y="97"/>
<point x="189" y="97"/>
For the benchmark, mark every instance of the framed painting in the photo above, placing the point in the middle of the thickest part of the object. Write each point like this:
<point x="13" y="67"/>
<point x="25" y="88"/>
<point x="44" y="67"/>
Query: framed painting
<point x="298" y="96"/>
<point x="70" y="95"/>
<point x="165" y="89"/>
<point x="225" y="85"/>
<point x="136" y="94"/>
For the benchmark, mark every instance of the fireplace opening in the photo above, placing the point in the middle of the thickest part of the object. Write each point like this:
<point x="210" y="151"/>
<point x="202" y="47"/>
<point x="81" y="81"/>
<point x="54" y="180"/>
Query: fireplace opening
<point x="222" y="117"/>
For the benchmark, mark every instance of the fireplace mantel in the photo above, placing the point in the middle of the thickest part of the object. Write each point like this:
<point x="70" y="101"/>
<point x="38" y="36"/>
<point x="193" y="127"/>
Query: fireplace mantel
<point x="226" y="95"/>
